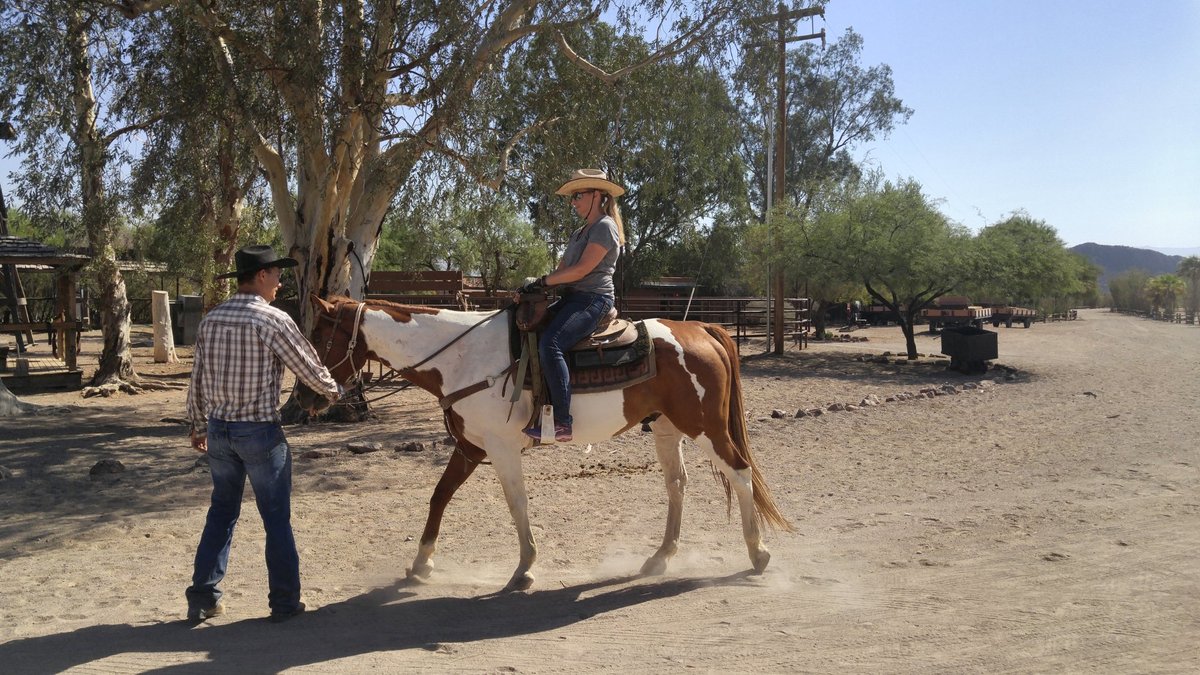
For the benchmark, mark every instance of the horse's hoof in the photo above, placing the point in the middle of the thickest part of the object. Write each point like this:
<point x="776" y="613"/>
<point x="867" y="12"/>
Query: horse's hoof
<point x="418" y="572"/>
<point x="519" y="582"/>
<point x="760" y="560"/>
<point x="654" y="567"/>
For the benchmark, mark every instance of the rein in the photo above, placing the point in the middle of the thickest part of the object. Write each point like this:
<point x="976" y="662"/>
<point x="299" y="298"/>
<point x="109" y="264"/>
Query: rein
<point x="446" y="401"/>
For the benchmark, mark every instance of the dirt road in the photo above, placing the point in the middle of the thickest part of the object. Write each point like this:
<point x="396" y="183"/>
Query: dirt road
<point x="1048" y="523"/>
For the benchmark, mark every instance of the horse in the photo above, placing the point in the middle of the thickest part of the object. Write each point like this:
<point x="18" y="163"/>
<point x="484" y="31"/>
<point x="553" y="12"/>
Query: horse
<point x="464" y="359"/>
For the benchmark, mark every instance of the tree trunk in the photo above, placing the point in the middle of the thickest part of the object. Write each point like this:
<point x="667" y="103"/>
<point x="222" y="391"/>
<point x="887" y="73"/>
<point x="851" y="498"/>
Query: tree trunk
<point x="10" y="405"/>
<point x="910" y="338"/>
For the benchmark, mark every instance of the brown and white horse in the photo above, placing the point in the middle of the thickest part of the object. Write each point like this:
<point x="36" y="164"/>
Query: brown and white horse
<point x="463" y="358"/>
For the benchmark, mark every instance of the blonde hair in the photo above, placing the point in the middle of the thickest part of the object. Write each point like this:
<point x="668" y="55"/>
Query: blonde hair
<point x="613" y="211"/>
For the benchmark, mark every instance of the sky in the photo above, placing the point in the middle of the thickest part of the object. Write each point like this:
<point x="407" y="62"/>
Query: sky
<point x="1082" y="113"/>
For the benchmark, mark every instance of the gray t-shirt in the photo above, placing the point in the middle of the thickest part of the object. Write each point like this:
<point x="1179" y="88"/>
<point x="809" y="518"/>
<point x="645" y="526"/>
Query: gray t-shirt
<point x="600" y="279"/>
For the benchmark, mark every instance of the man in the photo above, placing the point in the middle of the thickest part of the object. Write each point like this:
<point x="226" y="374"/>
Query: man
<point x="242" y="347"/>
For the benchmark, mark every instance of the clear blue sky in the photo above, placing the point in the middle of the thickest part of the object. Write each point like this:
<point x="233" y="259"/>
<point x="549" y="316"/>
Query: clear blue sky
<point x="1084" y="113"/>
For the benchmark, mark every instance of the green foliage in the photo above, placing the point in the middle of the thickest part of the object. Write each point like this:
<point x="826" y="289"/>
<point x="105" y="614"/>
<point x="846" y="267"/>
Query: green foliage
<point x="1164" y="291"/>
<point x="1128" y="291"/>
<point x="477" y="235"/>
<point x="1189" y="270"/>
<point x="1023" y="262"/>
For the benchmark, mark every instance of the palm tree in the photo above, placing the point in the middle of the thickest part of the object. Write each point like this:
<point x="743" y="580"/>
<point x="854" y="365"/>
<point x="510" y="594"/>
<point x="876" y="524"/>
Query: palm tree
<point x="1163" y="290"/>
<point x="1189" y="269"/>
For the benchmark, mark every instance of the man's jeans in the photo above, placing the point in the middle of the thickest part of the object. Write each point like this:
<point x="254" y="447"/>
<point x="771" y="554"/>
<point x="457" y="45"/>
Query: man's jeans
<point x="259" y="449"/>
<point x="578" y="314"/>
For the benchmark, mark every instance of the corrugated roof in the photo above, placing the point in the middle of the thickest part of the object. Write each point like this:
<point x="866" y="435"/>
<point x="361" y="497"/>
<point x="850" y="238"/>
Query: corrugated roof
<point x="19" y="251"/>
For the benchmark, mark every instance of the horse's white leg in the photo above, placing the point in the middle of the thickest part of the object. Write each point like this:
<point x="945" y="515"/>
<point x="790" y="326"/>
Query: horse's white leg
<point x="507" y="463"/>
<point x="668" y="444"/>
<point x="743" y="487"/>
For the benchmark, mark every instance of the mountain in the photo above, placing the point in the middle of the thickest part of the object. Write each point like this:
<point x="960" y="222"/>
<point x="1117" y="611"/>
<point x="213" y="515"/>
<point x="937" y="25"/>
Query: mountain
<point x="1117" y="259"/>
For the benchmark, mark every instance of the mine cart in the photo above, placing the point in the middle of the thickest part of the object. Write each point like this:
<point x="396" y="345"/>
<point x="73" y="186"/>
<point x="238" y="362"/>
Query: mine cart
<point x="969" y="348"/>
<point x="955" y="310"/>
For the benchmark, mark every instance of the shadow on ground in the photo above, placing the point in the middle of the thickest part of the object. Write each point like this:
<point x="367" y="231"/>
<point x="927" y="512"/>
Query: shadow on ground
<point x="382" y="620"/>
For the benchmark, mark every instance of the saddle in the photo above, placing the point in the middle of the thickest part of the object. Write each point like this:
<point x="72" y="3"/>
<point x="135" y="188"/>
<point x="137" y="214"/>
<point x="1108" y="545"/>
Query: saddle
<point x="617" y="354"/>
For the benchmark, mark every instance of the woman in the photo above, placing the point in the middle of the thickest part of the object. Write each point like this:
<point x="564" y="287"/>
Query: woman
<point x="586" y="271"/>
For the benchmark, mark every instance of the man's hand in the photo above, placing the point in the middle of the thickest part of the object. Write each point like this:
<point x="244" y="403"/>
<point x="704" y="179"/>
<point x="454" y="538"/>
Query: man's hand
<point x="199" y="442"/>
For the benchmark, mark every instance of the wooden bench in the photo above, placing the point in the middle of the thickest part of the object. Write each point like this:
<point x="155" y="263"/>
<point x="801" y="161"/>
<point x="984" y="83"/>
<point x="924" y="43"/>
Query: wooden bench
<point x="426" y="288"/>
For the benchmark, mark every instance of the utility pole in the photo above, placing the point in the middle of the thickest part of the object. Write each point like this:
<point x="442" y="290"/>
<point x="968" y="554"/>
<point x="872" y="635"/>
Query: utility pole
<point x="782" y="19"/>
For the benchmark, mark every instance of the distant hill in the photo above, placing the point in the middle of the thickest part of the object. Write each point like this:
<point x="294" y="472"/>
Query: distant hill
<point x="1117" y="259"/>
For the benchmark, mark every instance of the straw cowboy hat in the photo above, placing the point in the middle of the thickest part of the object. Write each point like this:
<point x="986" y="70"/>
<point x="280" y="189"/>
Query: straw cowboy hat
<point x="250" y="259"/>
<point x="589" y="179"/>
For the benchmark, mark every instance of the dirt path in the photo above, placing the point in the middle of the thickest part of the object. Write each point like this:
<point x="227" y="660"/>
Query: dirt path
<point x="1045" y="524"/>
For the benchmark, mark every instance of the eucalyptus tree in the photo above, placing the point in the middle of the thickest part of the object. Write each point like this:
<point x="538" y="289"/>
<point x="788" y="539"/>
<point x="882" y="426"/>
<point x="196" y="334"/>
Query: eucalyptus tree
<point x="834" y="105"/>
<point x="65" y="68"/>
<point x="195" y="176"/>
<point x="370" y="87"/>
<point x="667" y="133"/>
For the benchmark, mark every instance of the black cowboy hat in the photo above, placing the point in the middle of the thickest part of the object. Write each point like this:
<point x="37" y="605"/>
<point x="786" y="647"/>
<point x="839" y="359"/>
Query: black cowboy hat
<point x="251" y="259"/>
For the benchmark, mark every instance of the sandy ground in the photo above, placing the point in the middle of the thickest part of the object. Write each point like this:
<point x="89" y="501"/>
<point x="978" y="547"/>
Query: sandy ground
<point x="1050" y="523"/>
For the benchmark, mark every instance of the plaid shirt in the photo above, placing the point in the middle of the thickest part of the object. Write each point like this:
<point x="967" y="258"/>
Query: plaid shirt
<point x="241" y="349"/>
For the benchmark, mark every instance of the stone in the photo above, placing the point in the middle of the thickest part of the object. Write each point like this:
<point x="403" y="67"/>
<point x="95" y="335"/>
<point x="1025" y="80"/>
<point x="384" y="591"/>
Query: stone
<point x="970" y="385"/>
<point x="851" y="408"/>
<point x="107" y="466"/>
<point x="949" y="389"/>
<point x="815" y="412"/>
<point x="836" y="407"/>
<point x="890" y="399"/>
<point x="801" y="413"/>
<point x="318" y="453"/>
<point x="869" y="400"/>
<point x="412" y="446"/>
<point x="364" y="448"/>
<point x="778" y="414"/>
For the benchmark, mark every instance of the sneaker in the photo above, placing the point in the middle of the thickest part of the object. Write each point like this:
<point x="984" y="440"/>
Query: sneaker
<point x="280" y="617"/>
<point x="197" y="613"/>
<point x="562" y="433"/>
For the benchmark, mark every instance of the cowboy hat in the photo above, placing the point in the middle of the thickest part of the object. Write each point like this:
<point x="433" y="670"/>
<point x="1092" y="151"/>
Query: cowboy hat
<point x="251" y="259"/>
<point x="589" y="179"/>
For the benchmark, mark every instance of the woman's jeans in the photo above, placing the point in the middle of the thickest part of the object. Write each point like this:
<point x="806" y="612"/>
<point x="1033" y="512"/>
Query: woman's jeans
<point x="235" y="450"/>
<point x="578" y="314"/>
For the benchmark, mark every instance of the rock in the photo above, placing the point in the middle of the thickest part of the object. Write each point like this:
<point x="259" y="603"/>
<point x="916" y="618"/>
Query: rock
<point x="836" y="407"/>
<point x="949" y="389"/>
<point x="970" y="385"/>
<point x="778" y="414"/>
<point x="869" y="400"/>
<point x="412" y="446"/>
<point x="801" y="413"/>
<point x="107" y="466"/>
<point x="364" y="448"/>
<point x="986" y="385"/>
<point x="890" y="399"/>
<point x="319" y="453"/>
<point x="851" y="408"/>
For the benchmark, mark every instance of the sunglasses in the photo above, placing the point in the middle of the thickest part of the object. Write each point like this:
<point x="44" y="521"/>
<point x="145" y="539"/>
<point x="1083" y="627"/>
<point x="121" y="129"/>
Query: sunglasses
<point x="579" y="195"/>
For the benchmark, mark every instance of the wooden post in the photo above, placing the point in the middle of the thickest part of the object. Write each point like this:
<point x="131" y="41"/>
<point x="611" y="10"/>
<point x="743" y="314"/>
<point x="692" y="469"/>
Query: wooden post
<point x="68" y="335"/>
<point x="164" y="341"/>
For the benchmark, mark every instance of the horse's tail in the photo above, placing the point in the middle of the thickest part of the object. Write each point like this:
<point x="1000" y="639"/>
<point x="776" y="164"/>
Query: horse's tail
<point x="764" y="504"/>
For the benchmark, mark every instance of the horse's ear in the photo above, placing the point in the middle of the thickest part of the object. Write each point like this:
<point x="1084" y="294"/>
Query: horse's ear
<point x="319" y="304"/>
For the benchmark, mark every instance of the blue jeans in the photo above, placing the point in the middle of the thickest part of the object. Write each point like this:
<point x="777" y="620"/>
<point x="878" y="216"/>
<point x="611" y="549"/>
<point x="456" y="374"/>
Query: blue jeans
<point x="578" y="314"/>
<point x="235" y="450"/>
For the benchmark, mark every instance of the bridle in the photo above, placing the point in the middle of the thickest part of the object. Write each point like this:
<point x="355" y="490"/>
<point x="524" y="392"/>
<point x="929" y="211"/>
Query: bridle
<point x="356" y="379"/>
